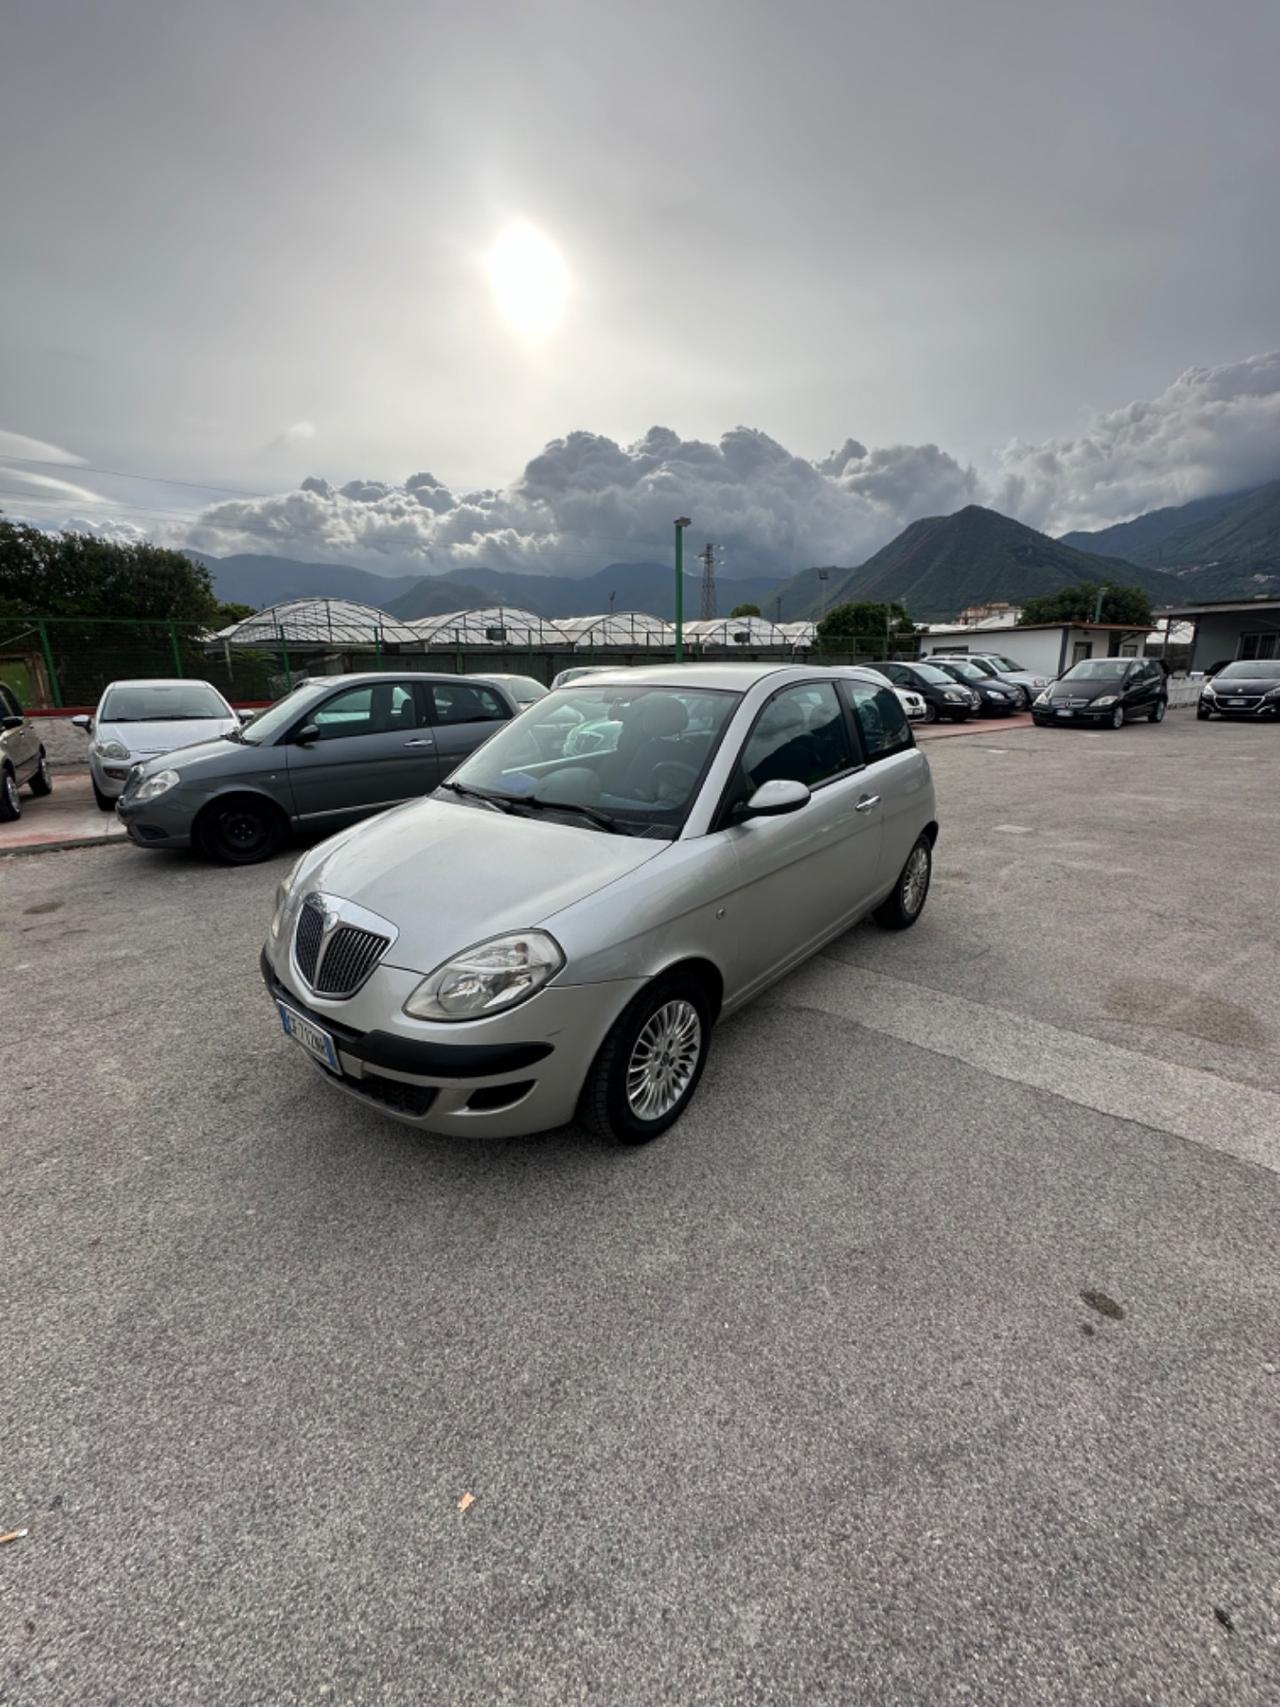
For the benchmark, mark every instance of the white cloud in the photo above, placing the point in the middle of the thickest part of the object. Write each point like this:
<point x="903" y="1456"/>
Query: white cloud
<point x="1215" y="429"/>
<point x="39" y="484"/>
<point x="300" y="433"/>
<point x="585" y="500"/>
<point x="19" y="446"/>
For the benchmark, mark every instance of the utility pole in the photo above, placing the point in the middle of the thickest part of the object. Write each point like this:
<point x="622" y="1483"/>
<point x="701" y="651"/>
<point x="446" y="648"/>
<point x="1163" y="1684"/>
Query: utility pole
<point x="777" y="608"/>
<point x="682" y="522"/>
<point x="823" y="576"/>
<point x="707" y="557"/>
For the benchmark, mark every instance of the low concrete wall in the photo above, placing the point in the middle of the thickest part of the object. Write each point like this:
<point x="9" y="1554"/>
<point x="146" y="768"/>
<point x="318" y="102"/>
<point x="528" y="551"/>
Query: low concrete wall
<point x="64" y="745"/>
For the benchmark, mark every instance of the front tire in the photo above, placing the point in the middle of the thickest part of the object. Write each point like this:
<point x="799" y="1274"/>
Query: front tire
<point x="10" y="799"/>
<point x="930" y="712"/>
<point x="1116" y="719"/>
<point x="648" y="1067"/>
<point x="42" y="782"/>
<point x="105" y="802"/>
<point x="1202" y="716"/>
<point x="910" y="892"/>
<point x="1158" y="710"/>
<point x="240" y="830"/>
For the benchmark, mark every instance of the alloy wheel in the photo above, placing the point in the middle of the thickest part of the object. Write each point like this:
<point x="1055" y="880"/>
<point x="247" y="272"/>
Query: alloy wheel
<point x="664" y="1059"/>
<point x="13" y="800"/>
<point x="915" y="881"/>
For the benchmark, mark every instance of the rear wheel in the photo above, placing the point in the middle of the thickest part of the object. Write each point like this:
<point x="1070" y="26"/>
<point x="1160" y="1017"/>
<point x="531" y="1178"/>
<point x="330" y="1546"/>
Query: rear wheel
<point x="1158" y="710"/>
<point x="649" y="1065"/>
<point x="910" y="892"/>
<point x="105" y="802"/>
<point x="10" y="799"/>
<point x="241" y="830"/>
<point x="42" y="782"/>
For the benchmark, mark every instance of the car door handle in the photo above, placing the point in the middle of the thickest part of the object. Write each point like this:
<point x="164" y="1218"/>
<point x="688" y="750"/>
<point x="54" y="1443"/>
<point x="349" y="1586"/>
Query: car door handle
<point x="420" y="741"/>
<point x="866" y="803"/>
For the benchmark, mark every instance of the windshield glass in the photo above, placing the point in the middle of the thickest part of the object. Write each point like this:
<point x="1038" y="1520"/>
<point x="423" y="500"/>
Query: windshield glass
<point x="1254" y="669"/>
<point x="970" y="672"/>
<point x="1097" y="670"/>
<point x="154" y="702"/>
<point x="931" y="673"/>
<point x="276" y="718"/>
<point x="636" y="755"/>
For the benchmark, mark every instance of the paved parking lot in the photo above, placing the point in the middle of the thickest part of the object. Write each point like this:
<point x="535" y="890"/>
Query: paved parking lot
<point x="933" y="1357"/>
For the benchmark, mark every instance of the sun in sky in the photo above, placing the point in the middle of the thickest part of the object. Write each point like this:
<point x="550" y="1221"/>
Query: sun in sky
<point x="528" y="280"/>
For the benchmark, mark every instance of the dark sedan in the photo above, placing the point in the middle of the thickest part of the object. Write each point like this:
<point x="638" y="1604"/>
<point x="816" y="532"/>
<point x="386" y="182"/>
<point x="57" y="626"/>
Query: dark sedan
<point x="1105" y="691"/>
<point x="943" y="696"/>
<point x="1248" y="688"/>
<point x="334" y="750"/>
<point x="995" y="698"/>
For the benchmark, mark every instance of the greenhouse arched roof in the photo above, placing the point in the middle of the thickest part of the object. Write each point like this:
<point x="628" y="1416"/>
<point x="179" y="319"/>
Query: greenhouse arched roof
<point x="492" y="625"/>
<point x="617" y="628"/>
<point x="737" y="631"/>
<point x="319" y="622"/>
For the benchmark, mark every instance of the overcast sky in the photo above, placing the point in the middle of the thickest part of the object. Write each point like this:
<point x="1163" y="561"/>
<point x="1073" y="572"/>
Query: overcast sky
<point x="247" y="243"/>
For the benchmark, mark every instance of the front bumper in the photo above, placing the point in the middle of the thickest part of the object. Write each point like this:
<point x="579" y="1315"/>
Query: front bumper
<point x="503" y="1077"/>
<point x="164" y="822"/>
<point x="1071" y="714"/>
<point x="1255" y="708"/>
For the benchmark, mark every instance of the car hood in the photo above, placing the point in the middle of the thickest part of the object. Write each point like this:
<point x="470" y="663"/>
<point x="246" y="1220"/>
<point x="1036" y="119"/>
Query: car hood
<point x="449" y="876"/>
<point x="144" y="739"/>
<point x="1227" y="685"/>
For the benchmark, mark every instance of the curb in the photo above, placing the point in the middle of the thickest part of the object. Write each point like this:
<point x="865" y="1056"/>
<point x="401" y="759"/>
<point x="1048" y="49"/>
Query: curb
<point x="63" y="846"/>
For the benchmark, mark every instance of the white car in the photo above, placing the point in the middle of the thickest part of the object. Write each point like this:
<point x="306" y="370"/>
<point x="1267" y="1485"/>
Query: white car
<point x="139" y="719"/>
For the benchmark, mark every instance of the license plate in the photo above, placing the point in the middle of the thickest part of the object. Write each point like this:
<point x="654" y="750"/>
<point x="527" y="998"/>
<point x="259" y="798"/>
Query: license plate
<point x="1237" y="702"/>
<point x="1064" y="714"/>
<point x="313" y="1038"/>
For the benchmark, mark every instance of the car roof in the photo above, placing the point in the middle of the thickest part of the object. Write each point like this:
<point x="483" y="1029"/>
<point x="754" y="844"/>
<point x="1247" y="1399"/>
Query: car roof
<point x="159" y="682"/>
<point x="736" y="677"/>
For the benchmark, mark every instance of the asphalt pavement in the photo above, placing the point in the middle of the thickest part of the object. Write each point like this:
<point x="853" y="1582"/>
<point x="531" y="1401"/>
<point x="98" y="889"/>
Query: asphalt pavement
<point x="933" y="1357"/>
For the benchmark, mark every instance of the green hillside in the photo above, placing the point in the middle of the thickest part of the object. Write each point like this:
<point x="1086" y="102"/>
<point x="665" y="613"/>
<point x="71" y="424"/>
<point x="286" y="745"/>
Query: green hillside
<point x="941" y="564"/>
<point x="1219" y="547"/>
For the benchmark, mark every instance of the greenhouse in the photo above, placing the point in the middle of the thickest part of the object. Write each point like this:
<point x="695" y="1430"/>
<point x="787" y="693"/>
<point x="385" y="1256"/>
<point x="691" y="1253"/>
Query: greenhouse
<point x="620" y="628"/>
<point x="496" y="625"/>
<point x="736" y="631"/>
<point x="319" y="622"/>
<point x="801" y="634"/>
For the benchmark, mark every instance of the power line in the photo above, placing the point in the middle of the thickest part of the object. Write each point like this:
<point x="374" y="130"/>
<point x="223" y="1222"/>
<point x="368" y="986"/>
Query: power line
<point x="124" y="474"/>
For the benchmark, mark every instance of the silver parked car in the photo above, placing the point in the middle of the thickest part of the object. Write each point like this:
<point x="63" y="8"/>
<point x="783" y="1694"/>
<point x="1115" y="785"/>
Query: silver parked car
<point x="997" y="665"/>
<point x="135" y="720"/>
<point x="552" y="933"/>
<point x="336" y="748"/>
<point x="22" y="756"/>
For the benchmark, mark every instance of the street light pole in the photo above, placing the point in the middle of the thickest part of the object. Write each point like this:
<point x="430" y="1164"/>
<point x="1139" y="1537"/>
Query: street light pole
<point x="682" y="522"/>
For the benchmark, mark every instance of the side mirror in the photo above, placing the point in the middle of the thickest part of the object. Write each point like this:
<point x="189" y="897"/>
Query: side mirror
<point x="307" y="734"/>
<point x="83" y="721"/>
<point x="775" y="800"/>
<point x="246" y="717"/>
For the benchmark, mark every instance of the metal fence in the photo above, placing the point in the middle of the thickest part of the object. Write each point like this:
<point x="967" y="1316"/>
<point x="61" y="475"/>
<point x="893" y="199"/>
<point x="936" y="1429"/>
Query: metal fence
<point x="53" y="663"/>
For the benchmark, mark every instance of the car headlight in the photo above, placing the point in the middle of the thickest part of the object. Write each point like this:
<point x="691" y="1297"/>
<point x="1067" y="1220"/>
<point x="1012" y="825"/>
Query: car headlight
<point x="111" y="749"/>
<point x="160" y="783"/>
<point x="1106" y="699"/>
<point x="1043" y="698"/>
<point x="1206" y="692"/>
<point x="955" y="693"/>
<point x="284" y="889"/>
<point x="487" y="979"/>
<point x="994" y="693"/>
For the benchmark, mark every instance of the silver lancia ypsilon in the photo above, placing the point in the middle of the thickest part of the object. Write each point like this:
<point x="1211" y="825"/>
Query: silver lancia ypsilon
<point x="556" y="929"/>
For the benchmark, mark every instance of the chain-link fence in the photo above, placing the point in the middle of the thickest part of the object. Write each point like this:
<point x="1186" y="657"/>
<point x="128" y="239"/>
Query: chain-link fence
<point x="56" y="663"/>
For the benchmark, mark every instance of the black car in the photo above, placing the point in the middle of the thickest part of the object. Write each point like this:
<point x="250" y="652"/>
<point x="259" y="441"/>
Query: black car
<point x="995" y="698"/>
<point x="1250" y="687"/>
<point x="943" y="696"/>
<point x="1105" y="690"/>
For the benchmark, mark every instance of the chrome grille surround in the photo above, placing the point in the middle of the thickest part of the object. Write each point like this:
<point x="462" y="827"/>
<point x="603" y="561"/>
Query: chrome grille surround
<point x="337" y="944"/>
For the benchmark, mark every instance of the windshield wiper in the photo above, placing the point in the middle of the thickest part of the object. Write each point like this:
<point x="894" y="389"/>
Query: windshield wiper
<point x="599" y="819"/>
<point x="478" y="794"/>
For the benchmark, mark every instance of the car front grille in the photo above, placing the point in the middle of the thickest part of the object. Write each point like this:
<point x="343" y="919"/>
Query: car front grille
<point x="334" y="963"/>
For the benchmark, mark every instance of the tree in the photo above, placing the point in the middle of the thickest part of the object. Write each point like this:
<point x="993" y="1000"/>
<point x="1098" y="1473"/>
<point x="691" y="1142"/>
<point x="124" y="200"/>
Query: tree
<point x="1128" y="605"/>
<point x="225" y="614"/>
<point x="76" y="575"/>
<point x="864" y="627"/>
<point x="744" y="610"/>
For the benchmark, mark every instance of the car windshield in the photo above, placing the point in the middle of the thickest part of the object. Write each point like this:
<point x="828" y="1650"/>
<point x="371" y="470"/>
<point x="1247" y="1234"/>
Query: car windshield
<point x="632" y="755"/>
<point x="155" y="702"/>
<point x="1097" y="670"/>
<point x="1004" y="663"/>
<point x="1254" y="669"/>
<point x="975" y="668"/>
<point x="931" y="673"/>
<point x="276" y="718"/>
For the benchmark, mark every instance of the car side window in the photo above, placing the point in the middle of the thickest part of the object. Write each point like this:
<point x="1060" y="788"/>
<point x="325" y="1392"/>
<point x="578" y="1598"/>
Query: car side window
<point x="467" y="702"/>
<point x="376" y="708"/>
<point x="881" y="719"/>
<point x="800" y="736"/>
<point x="8" y="704"/>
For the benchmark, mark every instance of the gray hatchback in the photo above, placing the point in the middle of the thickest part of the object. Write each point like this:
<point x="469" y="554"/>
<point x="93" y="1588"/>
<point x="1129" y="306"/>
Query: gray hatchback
<point x="334" y="750"/>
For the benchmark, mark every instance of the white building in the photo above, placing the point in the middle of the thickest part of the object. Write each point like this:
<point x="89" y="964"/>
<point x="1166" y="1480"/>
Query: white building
<point x="1048" y="648"/>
